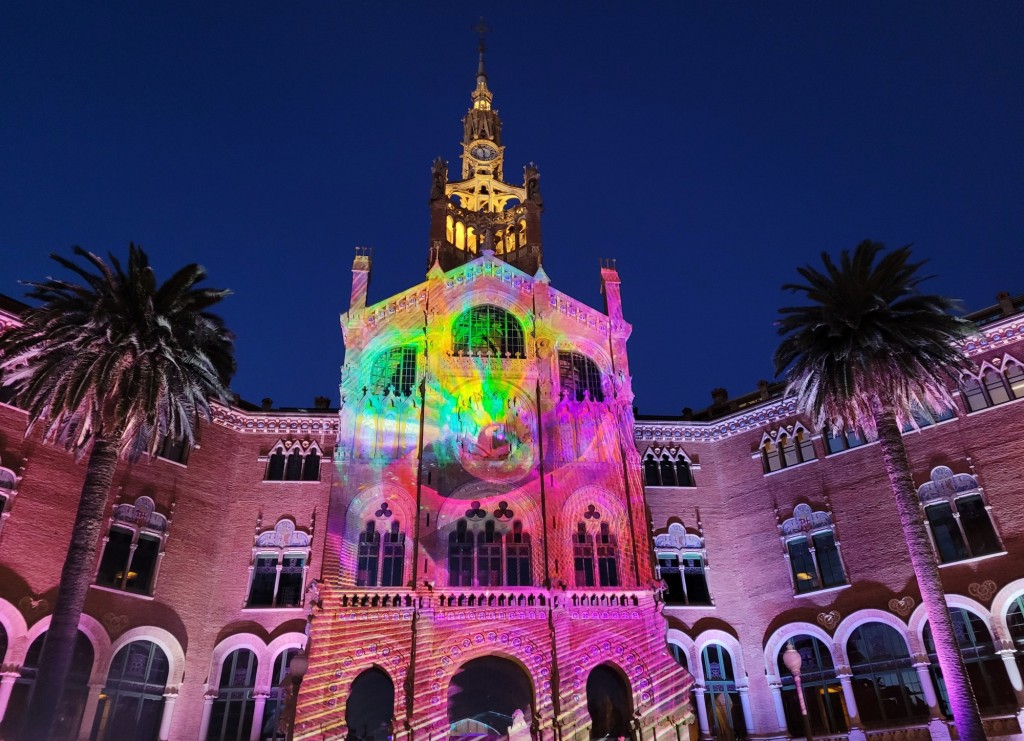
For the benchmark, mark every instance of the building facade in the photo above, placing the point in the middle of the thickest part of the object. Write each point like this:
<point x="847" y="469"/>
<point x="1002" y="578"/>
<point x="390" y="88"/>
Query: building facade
<point x="482" y="541"/>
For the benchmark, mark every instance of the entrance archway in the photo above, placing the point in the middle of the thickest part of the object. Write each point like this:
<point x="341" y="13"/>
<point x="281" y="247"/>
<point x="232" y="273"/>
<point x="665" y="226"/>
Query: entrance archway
<point x="609" y="703"/>
<point x="484" y="698"/>
<point x="371" y="706"/>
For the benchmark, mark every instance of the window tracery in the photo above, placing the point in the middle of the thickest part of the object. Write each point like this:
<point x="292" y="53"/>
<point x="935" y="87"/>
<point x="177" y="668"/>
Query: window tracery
<point x="997" y="382"/>
<point x="579" y="377"/>
<point x="484" y="551"/>
<point x="133" y="547"/>
<point x="667" y="466"/>
<point x="488" y="331"/>
<point x="812" y="550"/>
<point x="280" y="558"/>
<point x="294" y="460"/>
<point x="786" y="447"/>
<point x="394" y="371"/>
<point x="958" y="516"/>
<point x="381" y="560"/>
<point x="681" y="566"/>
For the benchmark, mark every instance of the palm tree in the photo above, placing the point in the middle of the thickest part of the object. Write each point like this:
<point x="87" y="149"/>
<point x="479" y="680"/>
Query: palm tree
<point x="109" y="367"/>
<point x="868" y="351"/>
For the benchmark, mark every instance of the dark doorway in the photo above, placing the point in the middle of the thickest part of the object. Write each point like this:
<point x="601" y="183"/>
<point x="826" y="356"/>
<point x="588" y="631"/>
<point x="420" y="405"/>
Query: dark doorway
<point x="370" y="707"/>
<point x="609" y="703"/>
<point x="484" y="696"/>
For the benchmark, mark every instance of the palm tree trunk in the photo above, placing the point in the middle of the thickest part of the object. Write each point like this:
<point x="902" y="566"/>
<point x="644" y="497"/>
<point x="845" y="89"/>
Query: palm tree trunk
<point x="922" y="557"/>
<point x="75" y="578"/>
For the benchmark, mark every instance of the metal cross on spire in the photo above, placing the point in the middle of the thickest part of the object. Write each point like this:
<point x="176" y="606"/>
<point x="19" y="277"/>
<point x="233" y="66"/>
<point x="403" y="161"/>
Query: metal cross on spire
<point x="482" y="29"/>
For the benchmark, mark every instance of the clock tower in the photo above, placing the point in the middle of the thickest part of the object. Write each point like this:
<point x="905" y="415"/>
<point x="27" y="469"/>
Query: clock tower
<point x="481" y="211"/>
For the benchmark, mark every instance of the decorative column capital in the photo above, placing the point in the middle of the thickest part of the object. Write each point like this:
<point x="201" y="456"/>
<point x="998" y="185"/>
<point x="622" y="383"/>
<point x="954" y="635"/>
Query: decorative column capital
<point x="211" y="695"/>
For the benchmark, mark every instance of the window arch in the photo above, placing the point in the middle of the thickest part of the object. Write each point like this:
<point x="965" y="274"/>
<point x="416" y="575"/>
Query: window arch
<point x="667" y="467"/>
<point x="292" y="460"/>
<point x="380" y="560"/>
<point x="812" y="550"/>
<point x="579" y="377"/>
<point x="984" y="665"/>
<point x="681" y="566"/>
<point x="488" y="553"/>
<point x="488" y="331"/>
<point x="232" y="714"/>
<point x="607" y="557"/>
<point x="822" y="689"/>
<point x="132" y="701"/>
<point x="957" y="516"/>
<point x="784" y="449"/>
<point x="280" y="558"/>
<point x="133" y="547"/>
<point x="276" y="699"/>
<point x="886" y="686"/>
<point x="722" y="697"/>
<point x="994" y="385"/>
<point x="394" y="370"/>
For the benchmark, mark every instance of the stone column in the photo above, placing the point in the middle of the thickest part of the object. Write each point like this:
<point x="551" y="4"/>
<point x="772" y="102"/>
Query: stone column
<point x="780" y="712"/>
<point x="1006" y="653"/>
<point x="260" y="703"/>
<point x="92" y="702"/>
<point x="921" y="664"/>
<point x="7" y="679"/>
<point x="748" y="717"/>
<point x="846" y="680"/>
<point x="204" y="720"/>
<point x="702" y="712"/>
<point x="170" y="698"/>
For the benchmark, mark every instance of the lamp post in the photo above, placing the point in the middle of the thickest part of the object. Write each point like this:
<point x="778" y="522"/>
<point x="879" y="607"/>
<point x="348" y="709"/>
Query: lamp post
<point x="296" y="670"/>
<point x="793" y="661"/>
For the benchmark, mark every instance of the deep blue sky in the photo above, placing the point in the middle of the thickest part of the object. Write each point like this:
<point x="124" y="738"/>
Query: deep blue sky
<point x="710" y="147"/>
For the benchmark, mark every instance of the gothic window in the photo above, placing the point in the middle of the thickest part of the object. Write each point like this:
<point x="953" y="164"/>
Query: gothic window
<point x="131" y="553"/>
<point x="393" y="563"/>
<point x="460" y="556"/>
<point x="488" y="331"/>
<point x="957" y="516"/>
<point x="993" y="386"/>
<point x="294" y="461"/>
<point x="278" y="571"/>
<point x="488" y="555"/>
<point x="394" y="370"/>
<point x="667" y="467"/>
<point x="579" y="377"/>
<point x="812" y="550"/>
<point x="722" y="703"/>
<point x="681" y="567"/>
<point x="821" y="688"/>
<point x="607" y="557"/>
<point x="131" y="704"/>
<point x="368" y="556"/>
<point x="276" y="700"/>
<point x="231" y="718"/>
<point x="984" y="666"/>
<point x="885" y="684"/>
<point x="74" y="698"/>
<point x="583" y="556"/>
<point x="518" y="557"/>
<point x="786" y="449"/>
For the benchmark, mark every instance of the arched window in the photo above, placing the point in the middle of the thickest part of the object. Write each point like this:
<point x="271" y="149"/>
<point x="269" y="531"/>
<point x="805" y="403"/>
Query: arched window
<point x="1015" y="622"/>
<point x="132" y="700"/>
<point x="583" y="556"/>
<point x="471" y="239"/>
<point x="667" y="466"/>
<point x="488" y="331"/>
<point x="368" y="556"/>
<point x="984" y="666"/>
<point x="822" y="690"/>
<point x="681" y="567"/>
<point x="579" y="377"/>
<point x="293" y="468"/>
<point x="280" y="559"/>
<point x="722" y="699"/>
<point x="393" y="564"/>
<point x="652" y="473"/>
<point x="786" y="449"/>
<point x="518" y="557"/>
<point x="276" y="699"/>
<point x="460" y="235"/>
<point x="994" y="386"/>
<point x="460" y="556"/>
<point x="394" y="370"/>
<point x="488" y="555"/>
<point x="131" y="553"/>
<point x="812" y="549"/>
<point x="957" y="516"/>
<point x="292" y="460"/>
<point x="885" y="683"/>
<point x="668" y="471"/>
<point x="607" y="557"/>
<point x="231" y="719"/>
<point x="72" y="704"/>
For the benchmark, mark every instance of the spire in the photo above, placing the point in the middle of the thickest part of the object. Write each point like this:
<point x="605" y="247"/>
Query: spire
<point x="482" y="97"/>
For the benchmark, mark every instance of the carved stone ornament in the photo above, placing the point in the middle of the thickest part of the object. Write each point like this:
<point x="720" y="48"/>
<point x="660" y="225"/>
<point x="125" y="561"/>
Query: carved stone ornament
<point x="31" y="606"/>
<point x="115" y="624"/>
<point x="982" y="591"/>
<point x="903" y="606"/>
<point x="829" y="619"/>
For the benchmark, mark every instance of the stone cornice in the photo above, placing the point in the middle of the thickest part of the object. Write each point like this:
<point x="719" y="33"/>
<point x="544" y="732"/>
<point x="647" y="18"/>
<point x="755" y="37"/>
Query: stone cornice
<point x="996" y="335"/>
<point x="719" y="429"/>
<point x="276" y="423"/>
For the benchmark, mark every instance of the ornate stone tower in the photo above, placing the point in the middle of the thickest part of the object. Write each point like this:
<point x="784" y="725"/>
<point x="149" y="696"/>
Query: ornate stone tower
<point x="487" y="565"/>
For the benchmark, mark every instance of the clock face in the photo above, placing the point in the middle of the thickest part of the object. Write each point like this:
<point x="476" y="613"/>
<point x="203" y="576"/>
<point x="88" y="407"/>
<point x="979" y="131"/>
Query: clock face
<point x="483" y="152"/>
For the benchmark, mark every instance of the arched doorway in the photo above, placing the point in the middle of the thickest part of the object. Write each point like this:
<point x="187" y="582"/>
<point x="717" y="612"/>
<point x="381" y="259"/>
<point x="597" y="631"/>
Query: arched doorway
<point x="371" y="706"/>
<point x="486" y="696"/>
<point x="609" y="703"/>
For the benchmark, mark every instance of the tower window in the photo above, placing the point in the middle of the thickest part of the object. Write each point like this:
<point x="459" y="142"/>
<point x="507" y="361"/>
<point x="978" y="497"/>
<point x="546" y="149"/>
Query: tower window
<point x="488" y="331"/>
<point x="394" y="370"/>
<point x="579" y="377"/>
<point x="294" y="461"/>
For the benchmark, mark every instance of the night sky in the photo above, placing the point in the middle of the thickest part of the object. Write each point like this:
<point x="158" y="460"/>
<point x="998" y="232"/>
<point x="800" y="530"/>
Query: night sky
<point x="711" y="148"/>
